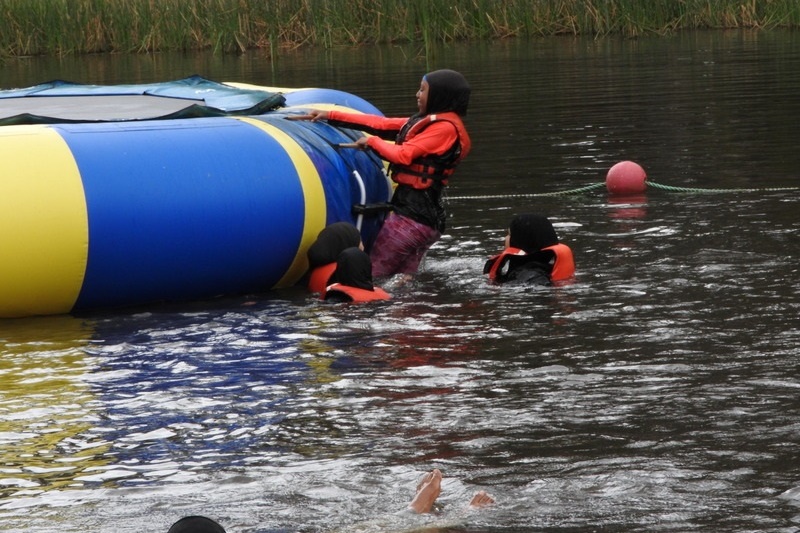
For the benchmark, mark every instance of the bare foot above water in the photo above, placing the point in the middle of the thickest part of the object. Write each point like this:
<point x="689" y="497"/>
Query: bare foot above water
<point x="481" y="499"/>
<point x="427" y="491"/>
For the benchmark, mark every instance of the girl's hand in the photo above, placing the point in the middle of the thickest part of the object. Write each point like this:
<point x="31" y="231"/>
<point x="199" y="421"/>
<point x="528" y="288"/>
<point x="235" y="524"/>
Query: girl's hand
<point x="317" y="115"/>
<point x="314" y="115"/>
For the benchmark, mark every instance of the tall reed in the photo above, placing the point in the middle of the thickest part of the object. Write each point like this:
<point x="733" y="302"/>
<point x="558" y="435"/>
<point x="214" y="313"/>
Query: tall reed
<point x="29" y="27"/>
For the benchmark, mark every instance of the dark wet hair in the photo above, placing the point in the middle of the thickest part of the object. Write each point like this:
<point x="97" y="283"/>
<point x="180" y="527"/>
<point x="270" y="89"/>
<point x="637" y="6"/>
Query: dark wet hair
<point x="354" y="269"/>
<point x="448" y="91"/>
<point x="330" y="243"/>
<point x="531" y="232"/>
<point x="196" y="524"/>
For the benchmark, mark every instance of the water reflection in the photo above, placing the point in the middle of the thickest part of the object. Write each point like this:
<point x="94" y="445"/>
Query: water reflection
<point x="47" y="406"/>
<point x="628" y="207"/>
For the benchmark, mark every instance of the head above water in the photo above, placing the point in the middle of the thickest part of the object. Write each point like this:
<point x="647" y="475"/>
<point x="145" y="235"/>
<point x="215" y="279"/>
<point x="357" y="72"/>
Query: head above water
<point x="354" y="268"/>
<point x="196" y="524"/>
<point x="331" y="241"/>
<point x="531" y="232"/>
<point x="447" y="90"/>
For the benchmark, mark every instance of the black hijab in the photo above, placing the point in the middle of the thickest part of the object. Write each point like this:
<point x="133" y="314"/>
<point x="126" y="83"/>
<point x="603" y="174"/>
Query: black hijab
<point x="196" y="524"/>
<point x="354" y="269"/>
<point x="531" y="233"/>
<point x="330" y="243"/>
<point x="448" y="91"/>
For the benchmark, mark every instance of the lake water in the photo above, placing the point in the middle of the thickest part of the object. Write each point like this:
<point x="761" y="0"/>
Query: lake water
<point x="657" y="392"/>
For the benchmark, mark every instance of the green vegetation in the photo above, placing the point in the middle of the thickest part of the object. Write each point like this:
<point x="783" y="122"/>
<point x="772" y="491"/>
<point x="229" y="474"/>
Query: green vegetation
<point x="31" y="27"/>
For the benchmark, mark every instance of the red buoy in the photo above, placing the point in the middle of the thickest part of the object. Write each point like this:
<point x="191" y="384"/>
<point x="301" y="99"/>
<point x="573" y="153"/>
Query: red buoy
<point x="626" y="178"/>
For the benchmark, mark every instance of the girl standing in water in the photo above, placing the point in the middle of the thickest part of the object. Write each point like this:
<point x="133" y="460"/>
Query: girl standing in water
<point x="426" y="149"/>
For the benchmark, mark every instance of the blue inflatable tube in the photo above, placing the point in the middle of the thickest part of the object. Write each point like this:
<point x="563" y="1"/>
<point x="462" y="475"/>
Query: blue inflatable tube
<point x="106" y="213"/>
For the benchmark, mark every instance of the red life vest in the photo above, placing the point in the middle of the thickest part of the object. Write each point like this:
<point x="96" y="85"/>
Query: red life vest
<point x="357" y="295"/>
<point x="320" y="278"/>
<point x="425" y="171"/>
<point x="563" y="267"/>
<point x="500" y="259"/>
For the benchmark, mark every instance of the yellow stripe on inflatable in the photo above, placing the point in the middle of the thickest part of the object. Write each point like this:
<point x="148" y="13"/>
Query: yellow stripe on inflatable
<point x="313" y="194"/>
<point x="45" y="238"/>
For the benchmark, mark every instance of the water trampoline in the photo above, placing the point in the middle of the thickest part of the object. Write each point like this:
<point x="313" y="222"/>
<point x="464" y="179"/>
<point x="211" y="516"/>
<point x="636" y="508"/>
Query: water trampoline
<point x="127" y="195"/>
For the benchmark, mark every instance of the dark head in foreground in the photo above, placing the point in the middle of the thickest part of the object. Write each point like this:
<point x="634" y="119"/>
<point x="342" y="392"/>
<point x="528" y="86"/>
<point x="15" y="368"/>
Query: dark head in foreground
<point x="196" y="524"/>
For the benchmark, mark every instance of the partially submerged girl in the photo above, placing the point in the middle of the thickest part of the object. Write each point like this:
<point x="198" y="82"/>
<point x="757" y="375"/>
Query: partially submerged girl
<point x="533" y="254"/>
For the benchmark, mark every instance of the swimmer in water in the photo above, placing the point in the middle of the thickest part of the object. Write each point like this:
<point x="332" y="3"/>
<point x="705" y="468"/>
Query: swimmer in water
<point x="533" y="254"/>
<point x="196" y="524"/>
<point x="428" y="491"/>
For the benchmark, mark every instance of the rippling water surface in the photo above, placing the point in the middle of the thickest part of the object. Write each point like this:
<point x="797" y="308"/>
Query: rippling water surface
<point x="656" y="392"/>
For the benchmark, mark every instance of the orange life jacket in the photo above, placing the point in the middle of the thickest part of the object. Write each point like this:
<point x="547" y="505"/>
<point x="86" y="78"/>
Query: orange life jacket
<point x="320" y="278"/>
<point x="499" y="260"/>
<point x="357" y="295"/>
<point x="563" y="267"/>
<point x="425" y="171"/>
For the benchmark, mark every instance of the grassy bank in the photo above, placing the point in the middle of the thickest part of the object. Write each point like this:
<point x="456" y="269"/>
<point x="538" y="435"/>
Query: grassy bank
<point x="31" y="27"/>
